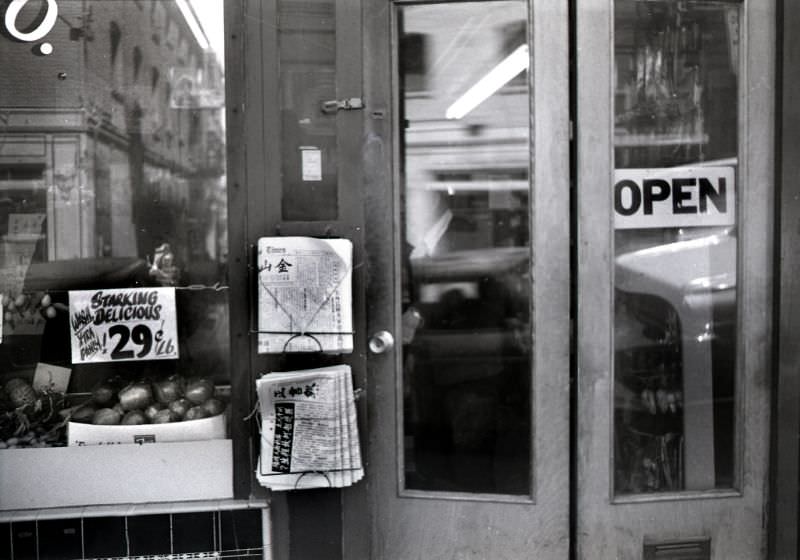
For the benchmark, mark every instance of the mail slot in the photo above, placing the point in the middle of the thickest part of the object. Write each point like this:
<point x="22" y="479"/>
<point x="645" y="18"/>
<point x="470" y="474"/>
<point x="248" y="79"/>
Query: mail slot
<point x="683" y="549"/>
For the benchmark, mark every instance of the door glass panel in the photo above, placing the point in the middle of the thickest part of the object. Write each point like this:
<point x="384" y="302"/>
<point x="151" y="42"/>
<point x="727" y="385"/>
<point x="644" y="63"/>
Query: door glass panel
<point x="307" y="48"/>
<point x="675" y="189"/>
<point x="112" y="176"/>
<point x="465" y="237"/>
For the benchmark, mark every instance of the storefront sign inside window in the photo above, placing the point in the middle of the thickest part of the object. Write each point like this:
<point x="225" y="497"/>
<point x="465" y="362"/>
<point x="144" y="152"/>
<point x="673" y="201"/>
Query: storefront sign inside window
<point x="674" y="197"/>
<point x="38" y="32"/>
<point x="123" y="325"/>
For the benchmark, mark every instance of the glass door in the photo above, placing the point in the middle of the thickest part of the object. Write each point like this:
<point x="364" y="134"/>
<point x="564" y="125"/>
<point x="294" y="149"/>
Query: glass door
<point x="470" y="411"/>
<point x="674" y="201"/>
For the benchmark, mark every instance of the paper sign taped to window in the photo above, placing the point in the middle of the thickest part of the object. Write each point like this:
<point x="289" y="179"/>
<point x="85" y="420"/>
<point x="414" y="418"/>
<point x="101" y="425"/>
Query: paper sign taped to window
<point x="674" y="197"/>
<point x="305" y="295"/>
<point x="311" y="162"/>
<point x="123" y="325"/>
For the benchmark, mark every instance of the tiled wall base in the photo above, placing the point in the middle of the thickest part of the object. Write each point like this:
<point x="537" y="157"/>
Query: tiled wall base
<point x="179" y="536"/>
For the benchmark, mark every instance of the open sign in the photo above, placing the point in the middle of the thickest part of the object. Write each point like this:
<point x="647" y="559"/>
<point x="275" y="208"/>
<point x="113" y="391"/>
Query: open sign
<point x="674" y="197"/>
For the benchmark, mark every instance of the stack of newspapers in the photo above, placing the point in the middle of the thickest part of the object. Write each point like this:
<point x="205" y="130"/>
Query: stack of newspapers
<point x="309" y="436"/>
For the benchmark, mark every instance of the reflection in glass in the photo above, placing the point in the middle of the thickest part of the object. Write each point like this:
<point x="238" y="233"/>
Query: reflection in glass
<point x="112" y="175"/>
<point x="466" y="281"/>
<point x="676" y="129"/>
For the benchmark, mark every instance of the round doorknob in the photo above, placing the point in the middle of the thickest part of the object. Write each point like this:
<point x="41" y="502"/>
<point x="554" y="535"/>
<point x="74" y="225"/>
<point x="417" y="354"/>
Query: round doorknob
<point x="380" y="342"/>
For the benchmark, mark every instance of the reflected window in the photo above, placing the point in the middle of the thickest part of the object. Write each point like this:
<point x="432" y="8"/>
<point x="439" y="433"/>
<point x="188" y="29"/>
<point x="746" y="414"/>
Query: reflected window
<point x="466" y="258"/>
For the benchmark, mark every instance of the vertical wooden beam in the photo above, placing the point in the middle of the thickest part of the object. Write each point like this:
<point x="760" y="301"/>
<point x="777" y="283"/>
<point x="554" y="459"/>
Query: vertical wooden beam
<point x="595" y="260"/>
<point x="784" y="508"/>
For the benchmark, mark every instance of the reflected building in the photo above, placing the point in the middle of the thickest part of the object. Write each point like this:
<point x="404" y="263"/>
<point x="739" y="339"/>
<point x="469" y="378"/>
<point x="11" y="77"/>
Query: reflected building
<point x="113" y="143"/>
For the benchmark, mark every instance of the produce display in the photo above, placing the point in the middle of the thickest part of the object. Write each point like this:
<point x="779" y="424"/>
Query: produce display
<point x="173" y="399"/>
<point x="31" y="418"/>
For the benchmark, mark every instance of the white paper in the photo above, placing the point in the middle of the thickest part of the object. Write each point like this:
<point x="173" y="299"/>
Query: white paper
<point x="311" y="162"/>
<point x="308" y="434"/>
<point x="123" y="325"/>
<point x="305" y="295"/>
<point x="50" y="377"/>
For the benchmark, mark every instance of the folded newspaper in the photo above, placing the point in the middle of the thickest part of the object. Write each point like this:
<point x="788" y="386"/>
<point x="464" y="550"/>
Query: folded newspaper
<point x="305" y="298"/>
<point x="309" y="433"/>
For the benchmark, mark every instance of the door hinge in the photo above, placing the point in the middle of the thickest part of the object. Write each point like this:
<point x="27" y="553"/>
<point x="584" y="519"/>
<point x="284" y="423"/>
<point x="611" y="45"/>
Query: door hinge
<point x="335" y="105"/>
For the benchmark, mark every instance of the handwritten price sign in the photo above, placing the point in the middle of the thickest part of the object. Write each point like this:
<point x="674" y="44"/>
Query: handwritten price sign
<point x="123" y="325"/>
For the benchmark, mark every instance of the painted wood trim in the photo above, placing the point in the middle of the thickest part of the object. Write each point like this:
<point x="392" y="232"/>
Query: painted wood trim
<point x="786" y="451"/>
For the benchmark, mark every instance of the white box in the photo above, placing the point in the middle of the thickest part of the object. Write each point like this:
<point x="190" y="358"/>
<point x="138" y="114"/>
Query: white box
<point x="51" y="477"/>
<point x="214" y="427"/>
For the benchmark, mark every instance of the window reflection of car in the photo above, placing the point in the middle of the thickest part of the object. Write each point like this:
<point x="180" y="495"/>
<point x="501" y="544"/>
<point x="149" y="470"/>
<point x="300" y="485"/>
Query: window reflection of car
<point x="675" y="335"/>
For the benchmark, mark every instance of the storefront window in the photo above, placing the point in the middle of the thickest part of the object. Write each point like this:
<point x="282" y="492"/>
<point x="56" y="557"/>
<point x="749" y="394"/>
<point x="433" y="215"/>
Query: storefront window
<point x="675" y="191"/>
<point x="466" y="238"/>
<point x="112" y="181"/>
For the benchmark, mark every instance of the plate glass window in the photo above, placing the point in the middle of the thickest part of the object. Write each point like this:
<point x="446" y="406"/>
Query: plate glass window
<point x="112" y="177"/>
<point x="466" y="247"/>
<point x="675" y="205"/>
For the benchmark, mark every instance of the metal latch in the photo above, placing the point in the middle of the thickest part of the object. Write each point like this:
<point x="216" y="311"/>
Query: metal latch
<point x="335" y="105"/>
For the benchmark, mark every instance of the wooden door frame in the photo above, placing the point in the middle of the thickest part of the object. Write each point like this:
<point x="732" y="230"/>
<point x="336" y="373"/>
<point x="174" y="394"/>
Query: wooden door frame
<point x="308" y="524"/>
<point x="550" y="245"/>
<point x="786" y="427"/>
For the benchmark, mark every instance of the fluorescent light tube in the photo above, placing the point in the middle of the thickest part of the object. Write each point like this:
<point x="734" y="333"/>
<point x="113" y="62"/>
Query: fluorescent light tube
<point x="194" y="25"/>
<point x="500" y="75"/>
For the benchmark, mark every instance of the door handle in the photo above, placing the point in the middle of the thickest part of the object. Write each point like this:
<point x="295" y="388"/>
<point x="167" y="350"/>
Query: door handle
<point x="380" y="342"/>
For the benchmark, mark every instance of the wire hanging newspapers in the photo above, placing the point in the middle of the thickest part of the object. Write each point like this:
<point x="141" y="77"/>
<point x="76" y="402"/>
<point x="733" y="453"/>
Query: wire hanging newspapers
<point x="309" y="434"/>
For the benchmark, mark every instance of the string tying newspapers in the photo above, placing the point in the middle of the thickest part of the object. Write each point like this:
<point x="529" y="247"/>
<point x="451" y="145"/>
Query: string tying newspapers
<point x="309" y="432"/>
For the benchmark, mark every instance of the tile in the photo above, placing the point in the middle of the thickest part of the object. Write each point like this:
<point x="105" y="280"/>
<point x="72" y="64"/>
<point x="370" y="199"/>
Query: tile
<point x="23" y="540"/>
<point x="193" y="532"/>
<point x="241" y="529"/>
<point x="104" y="537"/>
<point x="60" y="539"/>
<point x="5" y="541"/>
<point x="149" y="534"/>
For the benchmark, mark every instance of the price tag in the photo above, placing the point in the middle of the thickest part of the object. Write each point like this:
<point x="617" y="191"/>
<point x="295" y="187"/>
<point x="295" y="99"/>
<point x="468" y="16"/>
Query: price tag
<point x="49" y="377"/>
<point x="123" y="325"/>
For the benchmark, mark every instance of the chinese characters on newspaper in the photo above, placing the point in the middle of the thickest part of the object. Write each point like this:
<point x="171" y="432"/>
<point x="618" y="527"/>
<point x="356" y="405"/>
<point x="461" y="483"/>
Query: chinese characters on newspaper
<point x="304" y="295"/>
<point x="309" y="435"/>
